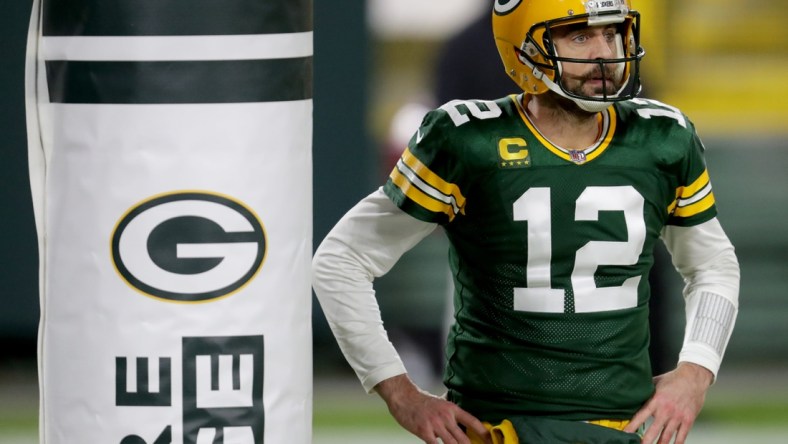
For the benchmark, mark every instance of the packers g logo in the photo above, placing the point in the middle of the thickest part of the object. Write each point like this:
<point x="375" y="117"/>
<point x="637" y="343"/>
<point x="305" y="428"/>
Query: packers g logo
<point x="503" y="7"/>
<point x="188" y="246"/>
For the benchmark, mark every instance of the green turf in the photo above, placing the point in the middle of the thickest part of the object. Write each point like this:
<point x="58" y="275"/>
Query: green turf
<point x="746" y="412"/>
<point x="756" y="413"/>
<point x="14" y="421"/>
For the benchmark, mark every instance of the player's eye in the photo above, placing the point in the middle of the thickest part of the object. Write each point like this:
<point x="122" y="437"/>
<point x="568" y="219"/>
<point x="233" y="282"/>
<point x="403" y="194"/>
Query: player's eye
<point x="580" y="38"/>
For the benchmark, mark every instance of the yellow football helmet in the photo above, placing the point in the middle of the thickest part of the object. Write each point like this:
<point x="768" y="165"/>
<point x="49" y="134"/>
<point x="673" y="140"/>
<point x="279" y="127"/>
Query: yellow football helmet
<point x="523" y="34"/>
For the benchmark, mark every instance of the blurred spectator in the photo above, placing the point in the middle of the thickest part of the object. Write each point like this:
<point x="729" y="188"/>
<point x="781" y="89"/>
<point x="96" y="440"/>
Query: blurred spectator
<point x="469" y="66"/>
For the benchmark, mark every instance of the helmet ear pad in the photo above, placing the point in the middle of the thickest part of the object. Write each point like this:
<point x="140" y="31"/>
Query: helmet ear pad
<point x="536" y="65"/>
<point x="522" y="68"/>
<point x="530" y="49"/>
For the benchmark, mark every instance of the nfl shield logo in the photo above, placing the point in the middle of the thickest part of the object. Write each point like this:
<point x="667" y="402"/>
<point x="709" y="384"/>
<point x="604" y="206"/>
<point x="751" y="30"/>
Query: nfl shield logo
<point x="577" y="156"/>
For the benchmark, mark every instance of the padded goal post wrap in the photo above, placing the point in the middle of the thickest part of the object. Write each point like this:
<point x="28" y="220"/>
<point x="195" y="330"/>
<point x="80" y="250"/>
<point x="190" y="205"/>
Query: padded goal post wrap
<point x="170" y="164"/>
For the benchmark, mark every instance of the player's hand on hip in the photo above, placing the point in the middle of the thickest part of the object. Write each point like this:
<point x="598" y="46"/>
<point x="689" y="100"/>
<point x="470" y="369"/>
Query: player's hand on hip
<point x="427" y="416"/>
<point x="676" y="402"/>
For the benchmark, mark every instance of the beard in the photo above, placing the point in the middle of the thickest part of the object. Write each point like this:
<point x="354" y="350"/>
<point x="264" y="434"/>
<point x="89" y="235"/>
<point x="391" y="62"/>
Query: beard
<point x="603" y="79"/>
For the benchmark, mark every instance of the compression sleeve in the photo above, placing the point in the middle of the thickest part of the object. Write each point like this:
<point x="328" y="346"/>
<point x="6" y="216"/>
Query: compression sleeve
<point x="706" y="260"/>
<point x="363" y="245"/>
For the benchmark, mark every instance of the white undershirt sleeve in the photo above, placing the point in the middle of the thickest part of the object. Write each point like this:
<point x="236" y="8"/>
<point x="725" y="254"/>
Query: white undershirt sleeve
<point x="363" y="245"/>
<point x="706" y="260"/>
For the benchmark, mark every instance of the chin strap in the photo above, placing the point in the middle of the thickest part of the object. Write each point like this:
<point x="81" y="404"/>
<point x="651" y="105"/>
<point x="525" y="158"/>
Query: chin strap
<point x="592" y="106"/>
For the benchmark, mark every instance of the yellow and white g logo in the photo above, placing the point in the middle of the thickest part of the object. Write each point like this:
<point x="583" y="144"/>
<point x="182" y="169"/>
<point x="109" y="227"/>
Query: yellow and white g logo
<point x="503" y="7"/>
<point x="188" y="246"/>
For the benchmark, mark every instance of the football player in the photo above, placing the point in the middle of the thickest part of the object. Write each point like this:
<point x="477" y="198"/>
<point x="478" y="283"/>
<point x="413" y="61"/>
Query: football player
<point x="552" y="201"/>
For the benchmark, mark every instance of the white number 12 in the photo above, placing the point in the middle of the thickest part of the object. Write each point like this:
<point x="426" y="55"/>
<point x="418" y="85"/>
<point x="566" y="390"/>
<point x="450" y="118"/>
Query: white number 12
<point x="538" y="296"/>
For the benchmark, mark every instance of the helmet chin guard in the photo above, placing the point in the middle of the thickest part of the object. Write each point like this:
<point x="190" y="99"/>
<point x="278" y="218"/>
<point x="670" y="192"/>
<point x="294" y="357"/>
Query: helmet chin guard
<point x="592" y="104"/>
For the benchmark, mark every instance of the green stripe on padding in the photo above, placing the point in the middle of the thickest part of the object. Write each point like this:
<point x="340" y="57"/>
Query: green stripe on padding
<point x="223" y="81"/>
<point x="175" y="17"/>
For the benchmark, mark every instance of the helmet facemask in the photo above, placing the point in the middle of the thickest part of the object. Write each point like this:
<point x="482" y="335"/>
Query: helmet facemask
<point x="540" y="53"/>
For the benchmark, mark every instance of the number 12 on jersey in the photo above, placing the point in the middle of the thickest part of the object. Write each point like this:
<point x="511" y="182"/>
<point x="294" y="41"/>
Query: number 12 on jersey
<point x="534" y="206"/>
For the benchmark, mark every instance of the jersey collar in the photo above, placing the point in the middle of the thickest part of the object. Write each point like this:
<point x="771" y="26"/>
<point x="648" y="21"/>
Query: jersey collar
<point x="607" y="120"/>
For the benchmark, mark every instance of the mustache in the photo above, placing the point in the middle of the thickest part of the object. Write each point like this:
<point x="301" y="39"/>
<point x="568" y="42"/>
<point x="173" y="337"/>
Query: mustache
<point x="610" y="77"/>
<point x="607" y="72"/>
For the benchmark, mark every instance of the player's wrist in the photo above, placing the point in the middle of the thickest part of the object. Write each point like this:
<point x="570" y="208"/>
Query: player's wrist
<point x="697" y="373"/>
<point x="396" y="389"/>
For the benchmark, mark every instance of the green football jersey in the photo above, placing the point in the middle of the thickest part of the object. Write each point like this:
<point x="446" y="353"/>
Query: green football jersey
<point x="550" y="249"/>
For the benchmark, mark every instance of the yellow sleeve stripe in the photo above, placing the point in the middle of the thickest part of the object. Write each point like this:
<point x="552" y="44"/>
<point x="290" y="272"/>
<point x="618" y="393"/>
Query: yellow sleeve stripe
<point x="701" y="194"/>
<point x="432" y="179"/>
<point x="694" y="187"/>
<point x="415" y="194"/>
<point x="696" y="207"/>
<point x="693" y="198"/>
